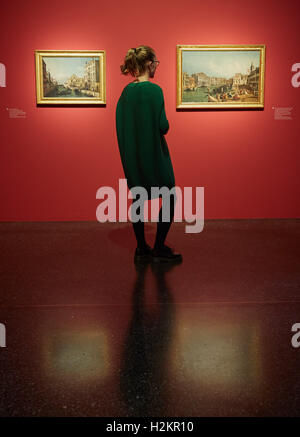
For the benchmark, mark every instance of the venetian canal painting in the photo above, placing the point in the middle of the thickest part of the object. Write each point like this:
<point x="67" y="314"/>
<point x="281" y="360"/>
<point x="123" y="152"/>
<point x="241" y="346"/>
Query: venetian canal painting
<point x="220" y="76"/>
<point x="70" y="77"/>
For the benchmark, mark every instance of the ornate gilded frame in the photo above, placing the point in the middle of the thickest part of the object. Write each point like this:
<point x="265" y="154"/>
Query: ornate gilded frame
<point x="220" y="104"/>
<point x="41" y="99"/>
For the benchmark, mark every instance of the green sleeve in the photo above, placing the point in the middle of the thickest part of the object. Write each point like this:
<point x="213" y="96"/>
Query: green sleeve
<point x="163" y="123"/>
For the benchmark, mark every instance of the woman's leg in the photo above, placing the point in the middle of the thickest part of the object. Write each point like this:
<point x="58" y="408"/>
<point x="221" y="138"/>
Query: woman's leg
<point x="163" y="227"/>
<point x="139" y="230"/>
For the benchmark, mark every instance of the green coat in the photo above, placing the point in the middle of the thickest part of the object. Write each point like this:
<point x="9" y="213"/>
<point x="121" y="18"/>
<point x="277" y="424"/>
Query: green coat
<point x="141" y="124"/>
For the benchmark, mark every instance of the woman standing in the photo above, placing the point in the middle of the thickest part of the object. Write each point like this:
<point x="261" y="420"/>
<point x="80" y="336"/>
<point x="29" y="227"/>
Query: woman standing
<point x="141" y="124"/>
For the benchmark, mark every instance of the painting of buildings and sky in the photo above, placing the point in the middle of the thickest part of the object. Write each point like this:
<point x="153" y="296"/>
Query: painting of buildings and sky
<point x="71" y="77"/>
<point x="221" y="76"/>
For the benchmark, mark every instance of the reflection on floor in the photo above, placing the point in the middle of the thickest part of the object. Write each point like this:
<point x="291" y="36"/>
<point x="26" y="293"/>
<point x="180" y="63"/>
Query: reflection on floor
<point x="89" y="333"/>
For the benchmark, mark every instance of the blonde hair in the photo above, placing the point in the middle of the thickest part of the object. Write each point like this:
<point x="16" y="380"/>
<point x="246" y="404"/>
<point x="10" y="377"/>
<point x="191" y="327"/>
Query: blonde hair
<point x="136" y="59"/>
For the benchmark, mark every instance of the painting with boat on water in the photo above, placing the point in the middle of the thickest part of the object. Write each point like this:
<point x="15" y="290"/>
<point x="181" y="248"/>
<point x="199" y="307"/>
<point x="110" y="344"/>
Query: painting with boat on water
<point x="220" y="76"/>
<point x="72" y="76"/>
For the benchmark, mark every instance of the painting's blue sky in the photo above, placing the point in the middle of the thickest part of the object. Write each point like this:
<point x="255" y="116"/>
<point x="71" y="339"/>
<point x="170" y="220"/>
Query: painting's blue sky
<point x="62" y="67"/>
<point x="219" y="63"/>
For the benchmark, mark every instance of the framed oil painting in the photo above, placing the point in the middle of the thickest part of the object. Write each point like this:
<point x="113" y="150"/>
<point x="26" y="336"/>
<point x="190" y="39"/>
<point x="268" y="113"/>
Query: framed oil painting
<point x="70" y="77"/>
<point x="220" y="76"/>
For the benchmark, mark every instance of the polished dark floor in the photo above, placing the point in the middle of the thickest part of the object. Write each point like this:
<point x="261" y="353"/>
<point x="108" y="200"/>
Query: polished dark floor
<point x="91" y="334"/>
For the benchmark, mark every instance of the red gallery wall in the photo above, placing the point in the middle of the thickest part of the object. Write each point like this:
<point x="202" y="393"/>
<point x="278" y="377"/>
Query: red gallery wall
<point x="55" y="158"/>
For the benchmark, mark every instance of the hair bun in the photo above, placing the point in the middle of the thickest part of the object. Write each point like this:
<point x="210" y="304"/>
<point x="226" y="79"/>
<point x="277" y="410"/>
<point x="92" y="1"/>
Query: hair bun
<point x="131" y="63"/>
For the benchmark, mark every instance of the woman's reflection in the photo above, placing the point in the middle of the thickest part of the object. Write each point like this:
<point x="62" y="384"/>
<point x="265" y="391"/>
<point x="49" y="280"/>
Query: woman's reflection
<point x="144" y="364"/>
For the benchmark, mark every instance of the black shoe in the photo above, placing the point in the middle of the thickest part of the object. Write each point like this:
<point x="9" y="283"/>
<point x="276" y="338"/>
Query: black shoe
<point x="143" y="254"/>
<point x="165" y="254"/>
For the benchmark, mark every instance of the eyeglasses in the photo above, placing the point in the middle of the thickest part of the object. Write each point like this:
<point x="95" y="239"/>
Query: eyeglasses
<point x="158" y="62"/>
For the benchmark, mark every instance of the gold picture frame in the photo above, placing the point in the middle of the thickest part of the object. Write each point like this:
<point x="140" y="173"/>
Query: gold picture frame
<point x="70" y="77"/>
<point x="207" y="79"/>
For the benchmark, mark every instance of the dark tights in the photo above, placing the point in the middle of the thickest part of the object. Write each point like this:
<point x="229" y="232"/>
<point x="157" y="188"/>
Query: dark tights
<point x="162" y="227"/>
